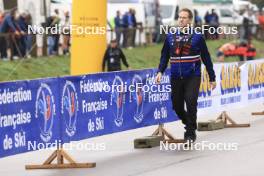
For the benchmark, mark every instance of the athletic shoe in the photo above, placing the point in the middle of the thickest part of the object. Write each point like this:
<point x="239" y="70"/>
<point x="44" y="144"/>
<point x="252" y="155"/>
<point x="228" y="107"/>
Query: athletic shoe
<point x="5" y="59"/>
<point x="190" y="135"/>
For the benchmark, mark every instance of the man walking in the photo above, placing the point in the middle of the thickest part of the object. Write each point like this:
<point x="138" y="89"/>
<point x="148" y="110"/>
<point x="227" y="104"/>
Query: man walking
<point x="185" y="53"/>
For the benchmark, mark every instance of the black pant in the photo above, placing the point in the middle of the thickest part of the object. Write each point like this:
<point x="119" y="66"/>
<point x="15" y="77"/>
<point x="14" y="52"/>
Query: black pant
<point x="19" y="48"/>
<point x="186" y="90"/>
<point x="56" y="44"/>
<point x="118" y="31"/>
<point x="3" y="47"/>
<point x="125" y="36"/>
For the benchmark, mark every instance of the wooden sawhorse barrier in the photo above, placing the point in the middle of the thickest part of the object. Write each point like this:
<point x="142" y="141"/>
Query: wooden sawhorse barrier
<point x="60" y="155"/>
<point x="160" y="131"/>
<point x="161" y="134"/>
<point x="229" y="122"/>
<point x="257" y="113"/>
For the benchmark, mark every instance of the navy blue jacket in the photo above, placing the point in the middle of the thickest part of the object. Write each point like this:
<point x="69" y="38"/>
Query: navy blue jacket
<point x="125" y="20"/>
<point x="22" y="24"/>
<point x="185" y="53"/>
<point x="118" y="22"/>
<point x="8" y="24"/>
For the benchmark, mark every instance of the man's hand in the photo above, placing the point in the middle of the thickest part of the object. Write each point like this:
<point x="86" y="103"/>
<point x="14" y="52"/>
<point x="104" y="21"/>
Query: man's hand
<point x="213" y="85"/>
<point x="17" y="33"/>
<point x="158" y="78"/>
<point x="23" y="33"/>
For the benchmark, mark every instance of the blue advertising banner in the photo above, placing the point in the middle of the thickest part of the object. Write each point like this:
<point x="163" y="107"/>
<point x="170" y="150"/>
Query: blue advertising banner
<point x="36" y="114"/>
<point x="105" y="103"/>
<point x="45" y="113"/>
<point x="29" y="115"/>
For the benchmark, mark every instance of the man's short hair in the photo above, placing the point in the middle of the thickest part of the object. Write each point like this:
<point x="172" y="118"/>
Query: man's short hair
<point x="188" y="11"/>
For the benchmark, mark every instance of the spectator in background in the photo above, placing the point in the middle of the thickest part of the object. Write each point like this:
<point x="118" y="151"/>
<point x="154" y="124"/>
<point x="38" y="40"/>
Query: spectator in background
<point x="1" y="21"/>
<point x="125" y="29"/>
<point x="53" y="39"/>
<point x="66" y="36"/>
<point x="112" y="58"/>
<point x="50" y="37"/>
<point x="261" y="25"/>
<point x="17" y="40"/>
<point x="128" y="24"/>
<point x="131" y="27"/>
<point x="254" y="19"/>
<point x="247" y="25"/>
<point x="1" y="17"/>
<point x="9" y="25"/>
<point x="221" y="50"/>
<point x="197" y="19"/>
<point x="214" y="22"/>
<point x="158" y="22"/>
<point x="29" y="36"/>
<point x="56" y="21"/>
<point x="134" y="30"/>
<point x="207" y="19"/>
<point x="22" y="21"/>
<point x="118" y="27"/>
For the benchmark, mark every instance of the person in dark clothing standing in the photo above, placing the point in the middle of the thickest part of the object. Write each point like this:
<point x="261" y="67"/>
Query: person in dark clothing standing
<point x="118" y="27"/>
<point x="134" y="20"/>
<point x="197" y="19"/>
<point x="9" y="25"/>
<point x="214" y="22"/>
<point x="207" y="19"/>
<point x="113" y="57"/>
<point x="185" y="53"/>
<point x="131" y="27"/>
<point x="55" y="22"/>
<point x="247" y="25"/>
<point x="22" y="41"/>
<point x="125" y="29"/>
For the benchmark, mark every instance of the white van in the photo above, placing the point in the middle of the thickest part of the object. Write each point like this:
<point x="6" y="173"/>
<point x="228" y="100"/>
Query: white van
<point x="240" y="5"/>
<point x="1" y="6"/>
<point x="169" y="10"/>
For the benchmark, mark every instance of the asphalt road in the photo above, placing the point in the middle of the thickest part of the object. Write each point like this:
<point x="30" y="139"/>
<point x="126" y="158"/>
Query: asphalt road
<point x="120" y="158"/>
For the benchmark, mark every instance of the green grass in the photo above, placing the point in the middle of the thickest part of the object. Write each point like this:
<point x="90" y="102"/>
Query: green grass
<point x="138" y="58"/>
<point x="148" y="57"/>
<point x="34" y="68"/>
